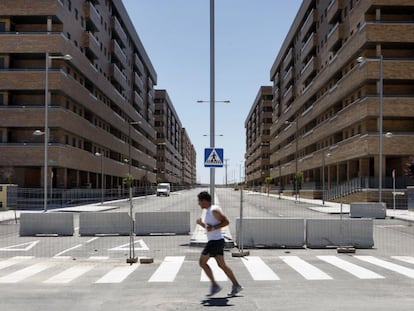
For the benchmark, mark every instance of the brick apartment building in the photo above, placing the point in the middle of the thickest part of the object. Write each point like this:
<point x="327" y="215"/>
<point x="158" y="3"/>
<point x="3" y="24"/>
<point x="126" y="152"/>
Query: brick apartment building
<point x="100" y="102"/>
<point x="337" y="59"/>
<point x="169" y="140"/>
<point x="189" y="173"/>
<point x="326" y="95"/>
<point x="257" y="124"/>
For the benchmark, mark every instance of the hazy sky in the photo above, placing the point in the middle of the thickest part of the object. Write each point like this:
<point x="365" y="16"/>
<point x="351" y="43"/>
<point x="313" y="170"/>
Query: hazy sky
<point x="176" y="36"/>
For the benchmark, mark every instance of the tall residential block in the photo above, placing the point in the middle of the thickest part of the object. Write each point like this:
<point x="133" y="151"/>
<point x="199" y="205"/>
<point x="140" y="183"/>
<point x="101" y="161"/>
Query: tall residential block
<point x="169" y="140"/>
<point x="188" y="153"/>
<point x="257" y="124"/>
<point x="99" y="102"/>
<point x="340" y="65"/>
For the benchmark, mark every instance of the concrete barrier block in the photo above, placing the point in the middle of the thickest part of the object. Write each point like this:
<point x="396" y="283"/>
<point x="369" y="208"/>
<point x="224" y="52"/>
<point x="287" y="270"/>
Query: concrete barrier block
<point x="322" y="233"/>
<point x="271" y="232"/>
<point x="46" y="223"/>
<point x="104" y="223"/>
<point x="162" y="222"/>
<point x="368" y="210"/>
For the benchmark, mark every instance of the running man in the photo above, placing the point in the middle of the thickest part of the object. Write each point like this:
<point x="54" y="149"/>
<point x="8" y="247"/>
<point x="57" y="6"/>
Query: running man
<point x="213" y="222"/>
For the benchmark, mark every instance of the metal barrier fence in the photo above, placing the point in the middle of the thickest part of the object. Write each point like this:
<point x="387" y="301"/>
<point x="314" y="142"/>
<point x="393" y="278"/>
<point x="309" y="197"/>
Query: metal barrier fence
<point x="268" y="215"/>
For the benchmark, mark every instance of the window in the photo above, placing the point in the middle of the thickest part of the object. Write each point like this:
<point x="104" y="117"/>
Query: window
<point x="1" y="62"/>
<point x="1" y="99"/>
<point x="2" y="27"/>
<point x="70" y="5"/>
<point x="76" y="14"/>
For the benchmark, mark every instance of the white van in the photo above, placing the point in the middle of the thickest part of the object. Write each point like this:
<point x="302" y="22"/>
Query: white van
<point x="163" y="189"/>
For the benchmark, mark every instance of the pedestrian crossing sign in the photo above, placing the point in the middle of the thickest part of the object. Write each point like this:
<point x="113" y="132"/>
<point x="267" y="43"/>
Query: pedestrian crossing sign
<point x="213" y="157"/>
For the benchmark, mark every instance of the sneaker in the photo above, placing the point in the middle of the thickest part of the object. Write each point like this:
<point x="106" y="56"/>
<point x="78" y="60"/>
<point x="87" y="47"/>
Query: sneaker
<point x="214" y="290"/>
<point x="235" y="289"/>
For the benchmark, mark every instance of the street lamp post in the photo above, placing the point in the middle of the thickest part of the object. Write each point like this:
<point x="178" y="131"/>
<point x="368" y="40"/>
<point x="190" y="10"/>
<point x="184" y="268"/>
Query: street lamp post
<point x="48" y="58"/>
<point x="323" y="175"/>
<point x="296" y="156"/>
<point x="362" y="59"/>
<point x="99" y="154"/>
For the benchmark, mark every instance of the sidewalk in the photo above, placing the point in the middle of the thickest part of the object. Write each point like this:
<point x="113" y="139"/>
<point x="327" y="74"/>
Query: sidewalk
<point x="335" y="208"/>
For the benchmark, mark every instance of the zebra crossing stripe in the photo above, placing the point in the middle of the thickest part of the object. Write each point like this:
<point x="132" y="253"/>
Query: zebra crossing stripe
<point x="308" y="271"/>
<point x="258" y="269"/>
<point x="25" y="273"/>
<point x="351" y="268"/>
<point x="219" y="275"/>
<point x="12" y="261"/>
<point x="69" y="274"/>
<point x="168" y="269"/>
<point x="408" y="259"/>
<point x="388" y="265"/>
<point x="117" y="275"/>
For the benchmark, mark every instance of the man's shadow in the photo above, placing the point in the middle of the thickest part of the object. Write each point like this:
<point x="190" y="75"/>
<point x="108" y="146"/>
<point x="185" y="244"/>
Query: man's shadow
<point x="216" y="302"/>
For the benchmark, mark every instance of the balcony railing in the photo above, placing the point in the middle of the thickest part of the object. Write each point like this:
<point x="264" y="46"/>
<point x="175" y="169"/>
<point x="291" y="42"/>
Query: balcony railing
<point x="93" y="18"/>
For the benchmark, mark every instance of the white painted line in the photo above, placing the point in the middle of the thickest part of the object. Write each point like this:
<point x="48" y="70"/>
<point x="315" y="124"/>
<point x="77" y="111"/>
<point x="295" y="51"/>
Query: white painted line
<point x="117" y="275"/>
<point x="355" y="270"/>
<point x="125" y="247"/>
<point x="388" y="265"/>
<point x="69" y="274"/>
<point x="25" y="273"/>
<point x="13" y="261"/>
<point x="67" y="250"/>
<point x="93" y="239"/>
<point x="259" y="270"/>
<point x="308" y="271"/>
<point x="408" y="259"/>
<point x="98" y="258"/>
<point x="168" y="269"/>
<point x="17" y="247"/>
<point x="219" y="274"/>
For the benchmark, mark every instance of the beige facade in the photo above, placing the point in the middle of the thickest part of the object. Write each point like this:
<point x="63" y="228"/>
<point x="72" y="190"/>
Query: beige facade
<point x="175" y="153"/>
<point x="323" y="88"/>
<point x="257" y="124"/>
<point x="189" y="173"/>
<point x="93" y="98"/>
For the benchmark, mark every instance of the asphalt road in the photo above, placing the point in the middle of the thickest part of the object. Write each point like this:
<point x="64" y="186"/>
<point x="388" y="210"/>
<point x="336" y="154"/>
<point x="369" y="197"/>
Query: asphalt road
<point x="90" y="273"/>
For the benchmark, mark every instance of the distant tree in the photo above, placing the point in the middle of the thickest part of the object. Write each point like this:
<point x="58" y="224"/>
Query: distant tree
<point x="409" y="170"/>
<point x="6" y="173"/>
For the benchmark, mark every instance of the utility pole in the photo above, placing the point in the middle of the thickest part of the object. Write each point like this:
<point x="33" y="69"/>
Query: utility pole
<point x="225" y="166"/>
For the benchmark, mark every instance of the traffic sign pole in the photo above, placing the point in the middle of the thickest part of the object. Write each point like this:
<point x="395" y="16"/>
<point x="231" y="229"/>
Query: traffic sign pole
<point x="212" y="97"/>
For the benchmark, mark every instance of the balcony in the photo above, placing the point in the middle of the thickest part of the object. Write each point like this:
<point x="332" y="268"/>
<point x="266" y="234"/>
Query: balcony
<point x="93" y="18"/>
<point x="334" y="10"/>
<point x="91" y="45"/>
<point x="138" y="64"/>
<point x="389" y="32"/>
<point x="288" y="76"/>
<point x="309" y="46"/>
<point x="309" y="22"/>
<point x="139" y="102"/>
<point x="335" y="38"/>
<point x="35" y="43"/>
<point x="118" y="77"/>
<point x="138" y="82"/>
<point x="119" y="32"/>
<point x="117" y="51"/>
<point x="288" y="94"/>
<point x="288" y="58"/>
<point x="309" y="68"/>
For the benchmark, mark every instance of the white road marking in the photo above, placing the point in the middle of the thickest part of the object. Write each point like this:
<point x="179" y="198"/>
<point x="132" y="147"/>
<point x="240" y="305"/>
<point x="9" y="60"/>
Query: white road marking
<point x="351" y="268"/>
<point x="117" y="275"/>
<point x="388" y="265"/>
<point x="58" y="255"/>
<point x="93" y="239"/>
<point x="125" y="247"/>
<point x="259" y="270"/>
<point x="408" y="259"/>
<point x="17" y="247"/>
<point x="25" y="273"/>
<point x="168" y="269"/>
<point x="13" y="261"/>
<point x="219" y="274"/>
<point x="69" y="274"/>
<point x="308" y="271"/>
<point x="98" y="258"/>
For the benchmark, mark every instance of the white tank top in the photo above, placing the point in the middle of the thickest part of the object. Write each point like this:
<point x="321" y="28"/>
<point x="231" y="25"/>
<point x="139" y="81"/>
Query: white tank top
<point x="212" y="221"/>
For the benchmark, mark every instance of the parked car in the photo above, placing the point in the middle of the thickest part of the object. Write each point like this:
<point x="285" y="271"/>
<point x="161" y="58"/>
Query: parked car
<point x="163" y="189"/>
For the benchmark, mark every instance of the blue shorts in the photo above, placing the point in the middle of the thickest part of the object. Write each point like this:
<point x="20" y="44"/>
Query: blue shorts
<point x="214" y="248"/>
